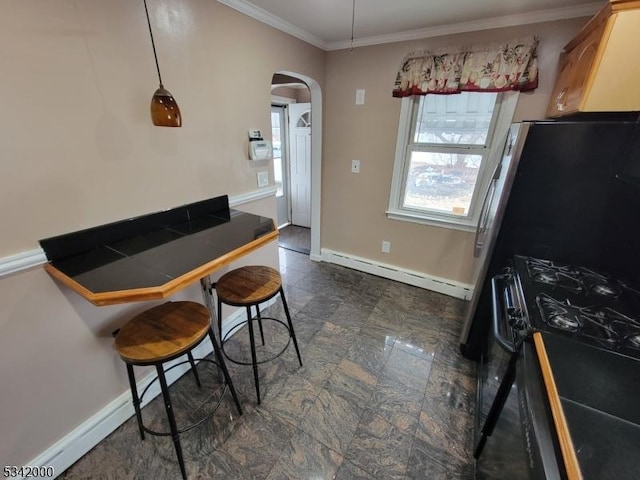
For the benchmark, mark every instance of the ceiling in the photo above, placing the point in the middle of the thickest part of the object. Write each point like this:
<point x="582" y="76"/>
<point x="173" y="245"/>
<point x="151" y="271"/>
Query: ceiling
<point x="327" y="23"/>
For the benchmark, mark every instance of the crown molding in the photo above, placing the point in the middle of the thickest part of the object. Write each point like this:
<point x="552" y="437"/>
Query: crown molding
<point x="263" y="16"/>
<point x="539" y="16"/>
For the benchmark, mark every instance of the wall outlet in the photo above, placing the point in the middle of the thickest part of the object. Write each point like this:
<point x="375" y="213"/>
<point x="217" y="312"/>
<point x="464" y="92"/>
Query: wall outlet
<point x="360" y="96"/>
<point x="263" y="179"/>
<point x="355" y="166"/>
<point x="386" y="247"/>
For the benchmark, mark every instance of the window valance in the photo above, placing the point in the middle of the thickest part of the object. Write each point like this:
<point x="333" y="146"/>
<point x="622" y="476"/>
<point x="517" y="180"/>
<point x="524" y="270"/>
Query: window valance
<point x="488" y="68"/>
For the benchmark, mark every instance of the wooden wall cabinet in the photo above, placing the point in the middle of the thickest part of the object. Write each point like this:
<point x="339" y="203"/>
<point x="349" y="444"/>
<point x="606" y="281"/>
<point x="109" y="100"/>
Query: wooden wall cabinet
<point x="599" y="70"/>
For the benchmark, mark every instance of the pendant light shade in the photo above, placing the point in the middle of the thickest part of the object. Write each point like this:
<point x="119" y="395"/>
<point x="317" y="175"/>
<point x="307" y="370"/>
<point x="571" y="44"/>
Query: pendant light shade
<point x="164" y="108"/>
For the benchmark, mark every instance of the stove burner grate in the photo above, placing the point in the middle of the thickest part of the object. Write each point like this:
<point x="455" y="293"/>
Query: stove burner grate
<point x="633" y="341"/>
<point x="575" y="279"/>
<point x="548" y="273"/>
<point x="604" y="325"/>
<point x="565" y="322"/>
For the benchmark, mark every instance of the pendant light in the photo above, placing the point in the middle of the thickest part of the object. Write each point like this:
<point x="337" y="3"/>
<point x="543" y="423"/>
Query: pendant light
<point x="164" y="108"/>
<point x="353" y="23"/>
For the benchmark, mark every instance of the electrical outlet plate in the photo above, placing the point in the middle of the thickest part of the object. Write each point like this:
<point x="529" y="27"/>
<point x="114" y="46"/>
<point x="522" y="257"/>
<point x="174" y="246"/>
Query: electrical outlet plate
<point x="360" y="96"/>
<point x="355" y="166"/>
<point x="263" y="179"/>
<point x="386" y="247"/>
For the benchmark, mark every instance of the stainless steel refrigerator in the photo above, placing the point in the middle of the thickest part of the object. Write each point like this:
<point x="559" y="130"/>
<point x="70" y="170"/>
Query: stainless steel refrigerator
<point x="567" y="190"/>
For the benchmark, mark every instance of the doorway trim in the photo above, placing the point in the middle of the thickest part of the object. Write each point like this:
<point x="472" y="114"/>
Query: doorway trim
<point x="316" y="159"/>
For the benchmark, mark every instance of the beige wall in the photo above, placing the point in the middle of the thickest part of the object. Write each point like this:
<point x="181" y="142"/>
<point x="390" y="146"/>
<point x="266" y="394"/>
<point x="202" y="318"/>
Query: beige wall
<point x="353" y="206"/>
<point x="76" y="133"/>
<point x="300" y="95"/>
<point x="79" y="149"/>
<point x="286" y="92"/>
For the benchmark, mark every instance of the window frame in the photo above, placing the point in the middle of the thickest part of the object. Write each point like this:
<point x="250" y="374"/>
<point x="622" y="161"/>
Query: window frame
<point x="504" y="112"/>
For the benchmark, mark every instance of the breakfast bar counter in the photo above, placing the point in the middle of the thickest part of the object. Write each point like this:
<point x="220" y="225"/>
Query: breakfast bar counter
<point x="153" y="256"/>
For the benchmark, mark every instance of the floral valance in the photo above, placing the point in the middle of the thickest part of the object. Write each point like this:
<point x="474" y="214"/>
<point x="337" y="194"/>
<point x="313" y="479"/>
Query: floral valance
<point x="489" y="68"/>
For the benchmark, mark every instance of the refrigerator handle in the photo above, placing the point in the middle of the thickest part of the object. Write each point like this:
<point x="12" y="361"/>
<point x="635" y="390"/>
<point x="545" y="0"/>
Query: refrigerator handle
<point x="488" y="199"/>
<point x="482" y="220"/>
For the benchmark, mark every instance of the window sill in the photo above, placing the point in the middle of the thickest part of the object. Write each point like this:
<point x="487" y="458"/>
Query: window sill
<point x="466" y="225"/>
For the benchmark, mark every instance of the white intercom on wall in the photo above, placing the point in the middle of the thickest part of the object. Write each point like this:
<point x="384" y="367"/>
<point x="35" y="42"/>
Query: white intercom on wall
<point x="259" y="148"/>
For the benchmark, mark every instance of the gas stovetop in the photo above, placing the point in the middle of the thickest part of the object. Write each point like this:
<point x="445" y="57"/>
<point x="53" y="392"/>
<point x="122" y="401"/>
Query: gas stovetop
<point x="580" y="303"/>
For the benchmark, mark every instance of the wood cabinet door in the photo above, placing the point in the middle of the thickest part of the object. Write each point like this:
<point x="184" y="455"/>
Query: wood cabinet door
<point x="575" y="74"/>
<point x="584" y="71"/>
<point x="558" y="102"/>
<point x="615" y="86"/>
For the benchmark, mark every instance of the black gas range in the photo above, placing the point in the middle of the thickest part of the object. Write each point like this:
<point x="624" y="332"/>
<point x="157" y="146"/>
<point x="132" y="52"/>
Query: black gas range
<point x="590" y="325"/>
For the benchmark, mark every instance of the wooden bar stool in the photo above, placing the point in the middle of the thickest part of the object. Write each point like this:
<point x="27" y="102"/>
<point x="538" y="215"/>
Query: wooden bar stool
<point x="249" y="287"/>
<point x="161" y="334"/>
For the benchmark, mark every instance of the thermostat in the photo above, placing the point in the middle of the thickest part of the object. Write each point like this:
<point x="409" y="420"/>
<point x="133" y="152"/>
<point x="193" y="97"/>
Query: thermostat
<point x="260" y="150"/>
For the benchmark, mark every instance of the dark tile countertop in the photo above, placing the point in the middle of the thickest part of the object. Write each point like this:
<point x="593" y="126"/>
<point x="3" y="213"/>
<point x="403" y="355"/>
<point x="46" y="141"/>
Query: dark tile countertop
<point x="599" y="392"/>
<point x="154" y="255"/>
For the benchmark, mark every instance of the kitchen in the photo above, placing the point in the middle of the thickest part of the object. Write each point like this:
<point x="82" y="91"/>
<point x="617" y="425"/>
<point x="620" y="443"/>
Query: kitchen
<point x="68" y="173"/>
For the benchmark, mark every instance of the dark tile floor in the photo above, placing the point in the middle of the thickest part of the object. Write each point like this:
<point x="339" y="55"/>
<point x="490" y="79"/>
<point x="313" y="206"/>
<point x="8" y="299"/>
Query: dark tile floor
<point x="383" y="393"/>
<point x="295" y="238"/>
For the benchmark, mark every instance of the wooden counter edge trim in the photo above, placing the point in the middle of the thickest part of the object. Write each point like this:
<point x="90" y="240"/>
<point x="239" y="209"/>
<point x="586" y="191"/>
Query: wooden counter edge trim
<point x="181" y="282"/>
<point x="105" y="298"/>
<point x="564" y="437"/>
<point x="161" y="291"/>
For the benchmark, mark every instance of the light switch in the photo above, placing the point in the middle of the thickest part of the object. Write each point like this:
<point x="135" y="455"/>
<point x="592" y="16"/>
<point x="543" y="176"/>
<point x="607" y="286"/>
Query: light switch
<point x="360" y="96"/>
<point x="355" y="166"/>
<point x="263" y="179"/>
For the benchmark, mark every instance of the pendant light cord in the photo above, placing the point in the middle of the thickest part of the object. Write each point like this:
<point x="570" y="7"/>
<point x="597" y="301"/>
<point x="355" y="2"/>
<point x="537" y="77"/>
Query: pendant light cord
<point x="153" y="44"/>
<point x="353" y="22"/>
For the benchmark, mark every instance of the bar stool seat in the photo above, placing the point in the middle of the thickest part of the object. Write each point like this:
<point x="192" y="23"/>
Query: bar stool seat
<point x="158" y="335"/>
<point x="248" y="287"/>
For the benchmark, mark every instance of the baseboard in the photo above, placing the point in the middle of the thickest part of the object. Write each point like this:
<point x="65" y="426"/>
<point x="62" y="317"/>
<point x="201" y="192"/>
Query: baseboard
<point x="315" y="257"/>
<point x="69" y="449"/>
<point x="392" y="272"/>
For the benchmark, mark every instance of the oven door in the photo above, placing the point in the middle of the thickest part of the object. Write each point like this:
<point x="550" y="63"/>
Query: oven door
<point x="541" y="443"/>
<point x="500" y="445"/>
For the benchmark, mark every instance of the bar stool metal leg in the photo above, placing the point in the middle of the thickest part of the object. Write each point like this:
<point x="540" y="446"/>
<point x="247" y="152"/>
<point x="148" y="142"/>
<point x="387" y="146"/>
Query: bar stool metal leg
<point x="219" y="310"/>
<point x="225" y="372"/>
<point x="136" y="399"/>
<point x="254" y="360"/>
<point x="194" y="370"/>
<point x="291" y="331"/>
<point x="260" y="323"/>
<point x="175" y="436"/>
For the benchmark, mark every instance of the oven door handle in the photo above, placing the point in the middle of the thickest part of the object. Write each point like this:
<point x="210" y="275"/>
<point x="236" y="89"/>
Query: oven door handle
<point x="497" y="315"/>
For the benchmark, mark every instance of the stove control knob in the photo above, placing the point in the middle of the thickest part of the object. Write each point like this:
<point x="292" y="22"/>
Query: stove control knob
<point x="515" y="318"/>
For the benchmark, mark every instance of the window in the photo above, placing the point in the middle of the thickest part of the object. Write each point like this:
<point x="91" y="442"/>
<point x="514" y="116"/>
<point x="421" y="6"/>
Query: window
<point x="278" y="137"/>
<point x="447" y="147"/>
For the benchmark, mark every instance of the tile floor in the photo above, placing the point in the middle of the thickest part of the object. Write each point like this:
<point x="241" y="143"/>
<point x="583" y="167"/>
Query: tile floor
<point x="383" y="393"/>
<point x="295" y="238"/>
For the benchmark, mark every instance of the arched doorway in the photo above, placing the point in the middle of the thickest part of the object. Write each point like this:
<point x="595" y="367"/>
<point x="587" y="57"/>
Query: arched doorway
<point x="314" y="118"/>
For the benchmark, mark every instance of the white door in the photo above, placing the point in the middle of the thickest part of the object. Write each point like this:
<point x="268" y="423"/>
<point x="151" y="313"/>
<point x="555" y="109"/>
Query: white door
<point x="300" y="163"/>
